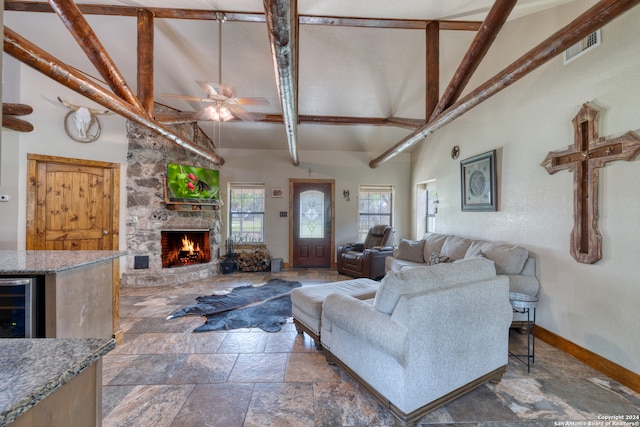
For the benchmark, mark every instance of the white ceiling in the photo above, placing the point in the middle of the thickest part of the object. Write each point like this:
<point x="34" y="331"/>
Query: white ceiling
<point x="343" y="71"/>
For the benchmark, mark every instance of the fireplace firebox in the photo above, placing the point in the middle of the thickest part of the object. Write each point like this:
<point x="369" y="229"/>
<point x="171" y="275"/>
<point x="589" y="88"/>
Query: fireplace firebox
<point x="184" y="247"/>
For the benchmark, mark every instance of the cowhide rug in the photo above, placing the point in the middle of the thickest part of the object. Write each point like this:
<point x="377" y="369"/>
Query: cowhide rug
<point x="265" y="306"/>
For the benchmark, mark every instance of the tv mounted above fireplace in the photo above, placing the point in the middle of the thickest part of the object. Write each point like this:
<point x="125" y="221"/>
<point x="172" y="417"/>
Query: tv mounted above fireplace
<point x="192" y="184"/>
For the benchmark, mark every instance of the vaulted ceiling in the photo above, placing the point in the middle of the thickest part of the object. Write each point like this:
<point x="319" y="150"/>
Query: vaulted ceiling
<point x="367" y="75"/>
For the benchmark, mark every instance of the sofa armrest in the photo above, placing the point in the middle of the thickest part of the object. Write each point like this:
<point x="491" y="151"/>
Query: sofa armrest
<point x="360" y="319"/>
<point x="383" y="249"/>
<point x="358" y="247"/>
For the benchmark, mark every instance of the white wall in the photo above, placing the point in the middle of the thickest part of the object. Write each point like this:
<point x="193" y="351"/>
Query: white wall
<point x="594" y="306"/>
<point x="348" y="169"/>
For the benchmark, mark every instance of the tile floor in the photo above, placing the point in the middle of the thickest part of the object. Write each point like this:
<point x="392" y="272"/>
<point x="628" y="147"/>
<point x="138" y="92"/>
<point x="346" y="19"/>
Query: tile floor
<point x="165" y="375"/>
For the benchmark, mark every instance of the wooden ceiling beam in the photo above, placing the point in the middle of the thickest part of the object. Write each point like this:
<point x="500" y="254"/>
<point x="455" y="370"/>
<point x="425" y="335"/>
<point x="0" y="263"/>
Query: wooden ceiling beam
<point x="81" y="31"/>
<point x="10" y="121"/>
<point x="282" y="25"/>
<point x="432" y="66"/>
<point x="479" y="47"/>
<point x="33" y="56"/>
<point x="594" y="18"/>
<point x="145" y="61"/>
<point x="303" y="119"/>
<point x="198" y="14"/>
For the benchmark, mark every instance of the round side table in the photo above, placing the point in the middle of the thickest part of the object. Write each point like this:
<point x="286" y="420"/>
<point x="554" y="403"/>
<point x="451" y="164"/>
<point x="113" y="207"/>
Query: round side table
<point x="526" y="304"/>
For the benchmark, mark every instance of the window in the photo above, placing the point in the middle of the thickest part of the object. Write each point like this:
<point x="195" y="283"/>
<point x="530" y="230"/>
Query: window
<point x="312" y="214"/>
<point x="246" y="213"/>
<point x="375" y="207"/>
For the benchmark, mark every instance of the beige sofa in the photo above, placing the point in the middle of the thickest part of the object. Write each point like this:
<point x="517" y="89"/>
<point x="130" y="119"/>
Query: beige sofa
<point x="430" y="335"/>
<point x="510" y="260"/>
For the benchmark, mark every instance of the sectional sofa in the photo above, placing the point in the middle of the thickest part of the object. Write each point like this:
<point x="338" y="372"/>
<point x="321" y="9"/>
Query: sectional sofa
<point x="512" y="261"/>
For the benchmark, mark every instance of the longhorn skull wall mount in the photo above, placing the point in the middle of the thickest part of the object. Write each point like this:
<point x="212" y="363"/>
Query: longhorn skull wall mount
<point x="81" y="123"/>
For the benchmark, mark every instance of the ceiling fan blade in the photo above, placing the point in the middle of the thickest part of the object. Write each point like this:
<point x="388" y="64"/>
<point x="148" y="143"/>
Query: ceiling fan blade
<point x="225" y="90"/>
<point x="240" y="113"/>
<point x="252" y="101"/>
<point x="216" y="89"/>
<point x="208" y="87"/>
<point x="186" y="98"/>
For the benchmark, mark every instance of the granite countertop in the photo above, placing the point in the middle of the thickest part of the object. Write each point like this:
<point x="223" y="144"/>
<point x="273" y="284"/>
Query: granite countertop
<point x="45" y="262"/>
<point x="32" y="369"/>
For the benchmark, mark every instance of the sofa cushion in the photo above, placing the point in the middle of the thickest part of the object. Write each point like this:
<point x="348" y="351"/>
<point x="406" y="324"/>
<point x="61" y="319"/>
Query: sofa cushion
<point x="436" y="258"/>
<point x="410" y="250"/>
<point x="455" y="247"/>
<point x="509" y="259"/>
<point x="420" y="279"/>
<point x="432" y="243"/>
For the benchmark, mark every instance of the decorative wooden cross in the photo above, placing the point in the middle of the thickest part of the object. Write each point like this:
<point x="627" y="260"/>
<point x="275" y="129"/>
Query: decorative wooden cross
<point x="585" y="157"/>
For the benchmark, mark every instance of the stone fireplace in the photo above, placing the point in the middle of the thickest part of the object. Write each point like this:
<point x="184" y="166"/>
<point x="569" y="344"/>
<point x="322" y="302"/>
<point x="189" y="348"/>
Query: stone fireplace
<point x="153" y="226"/>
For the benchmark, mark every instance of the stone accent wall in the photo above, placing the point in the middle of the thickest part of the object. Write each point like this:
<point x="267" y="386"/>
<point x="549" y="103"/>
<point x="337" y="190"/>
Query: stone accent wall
<point x="147" y="215"/>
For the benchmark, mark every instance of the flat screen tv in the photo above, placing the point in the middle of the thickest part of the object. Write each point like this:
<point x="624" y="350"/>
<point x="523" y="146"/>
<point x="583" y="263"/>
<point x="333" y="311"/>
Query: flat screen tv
<point x="192" y="184"/>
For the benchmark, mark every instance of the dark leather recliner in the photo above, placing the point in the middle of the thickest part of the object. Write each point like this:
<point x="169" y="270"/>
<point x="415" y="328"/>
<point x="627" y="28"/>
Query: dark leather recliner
<point x="367" y="259"/>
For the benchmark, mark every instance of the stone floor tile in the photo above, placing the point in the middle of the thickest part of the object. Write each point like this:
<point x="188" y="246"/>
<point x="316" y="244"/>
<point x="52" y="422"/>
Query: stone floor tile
<point x="579" y="393"/>
<point x="142" y="325"/>
<point x="204" y="369"/>
<point x="343" y="403"/>
<point x="196" y="342"/>
<point x="150" y="369"/>
<point x="527" y="399"/>
<point x="290" y="342"/>
<point x="310" y="367"/>
<point x="113" y="364"/>
<point x="112" y="395"/>
<point x="148" y="343"/>
<point x="219" y="405"/>
<point x="244" y="342"/>
<point x="281" y="405"/>
<point x="261" y="367"/>
<point x="149" y="405"/>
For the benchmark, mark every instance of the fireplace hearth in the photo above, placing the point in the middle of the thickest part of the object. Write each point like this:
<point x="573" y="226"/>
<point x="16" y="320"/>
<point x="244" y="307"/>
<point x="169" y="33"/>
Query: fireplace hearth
<point x="180" y="248"/>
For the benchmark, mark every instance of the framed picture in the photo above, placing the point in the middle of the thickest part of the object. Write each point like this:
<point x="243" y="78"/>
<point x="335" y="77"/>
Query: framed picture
<point x="277" y="192"/>
<point x="478" y="182"/>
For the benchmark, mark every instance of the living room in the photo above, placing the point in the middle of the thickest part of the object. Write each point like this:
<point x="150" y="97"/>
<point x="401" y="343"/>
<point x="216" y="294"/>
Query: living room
<point x="589" y="306"/>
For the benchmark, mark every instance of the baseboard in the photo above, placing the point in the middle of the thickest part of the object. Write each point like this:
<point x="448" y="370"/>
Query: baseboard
<point x="599" y="363"/>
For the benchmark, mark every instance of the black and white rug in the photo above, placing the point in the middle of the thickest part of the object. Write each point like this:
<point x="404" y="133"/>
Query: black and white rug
<point x="265" y="306"/>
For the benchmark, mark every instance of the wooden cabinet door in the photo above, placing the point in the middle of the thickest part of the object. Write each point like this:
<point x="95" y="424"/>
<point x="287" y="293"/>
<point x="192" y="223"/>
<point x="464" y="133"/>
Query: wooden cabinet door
<point x="72" y="205"/>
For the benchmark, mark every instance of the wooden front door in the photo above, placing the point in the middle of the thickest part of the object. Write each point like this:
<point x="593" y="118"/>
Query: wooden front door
<point x="72" y="204"/>
<point x="311" y="225"/>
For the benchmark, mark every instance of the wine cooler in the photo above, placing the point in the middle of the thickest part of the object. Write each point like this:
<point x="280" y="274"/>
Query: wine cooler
<point x="19" y="307"/>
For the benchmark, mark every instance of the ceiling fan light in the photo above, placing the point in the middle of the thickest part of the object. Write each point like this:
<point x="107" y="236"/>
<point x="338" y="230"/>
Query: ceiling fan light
<point x="225" y="115"/>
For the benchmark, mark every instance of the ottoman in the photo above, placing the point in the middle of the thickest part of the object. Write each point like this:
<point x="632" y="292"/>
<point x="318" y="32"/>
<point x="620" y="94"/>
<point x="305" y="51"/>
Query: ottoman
<point x="306" y="302"/>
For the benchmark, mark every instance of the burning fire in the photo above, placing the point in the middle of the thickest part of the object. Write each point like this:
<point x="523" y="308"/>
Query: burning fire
<point x="188" y="246"/>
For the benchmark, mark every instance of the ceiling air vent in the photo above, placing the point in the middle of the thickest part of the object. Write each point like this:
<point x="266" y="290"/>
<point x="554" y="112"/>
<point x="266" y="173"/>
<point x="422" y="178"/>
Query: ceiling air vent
<point x="583" y="46"/>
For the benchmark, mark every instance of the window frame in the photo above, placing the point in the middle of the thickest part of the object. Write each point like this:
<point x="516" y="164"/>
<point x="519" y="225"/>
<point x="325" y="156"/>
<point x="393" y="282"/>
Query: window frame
<point x="233" y="187"/>
<point x="362" y="233"/>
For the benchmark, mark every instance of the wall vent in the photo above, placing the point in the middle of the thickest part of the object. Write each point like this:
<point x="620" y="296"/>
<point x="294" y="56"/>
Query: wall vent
<point x="583" y="46"/>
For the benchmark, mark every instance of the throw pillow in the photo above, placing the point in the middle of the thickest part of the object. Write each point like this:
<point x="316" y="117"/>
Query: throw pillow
<point x="455" y="247"/>
<point x="509" y="258"/>
<point x="433" y="243"/>
<point x="436" y="258"/>
<point x="410" y="250"/>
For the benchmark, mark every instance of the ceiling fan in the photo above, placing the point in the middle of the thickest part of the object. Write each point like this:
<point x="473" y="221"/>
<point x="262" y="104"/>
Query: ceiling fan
<point x="223" y="105"/>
